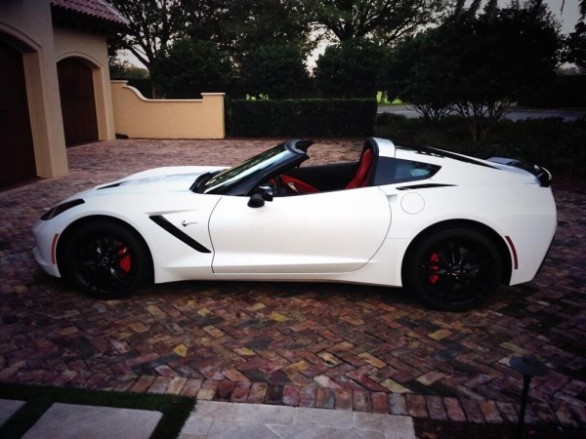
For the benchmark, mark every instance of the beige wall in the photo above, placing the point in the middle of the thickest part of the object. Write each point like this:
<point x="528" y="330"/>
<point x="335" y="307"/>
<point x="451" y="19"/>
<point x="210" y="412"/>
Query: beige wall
<point x="136" y="116"/>
<point x="27" y="23"/>
<point x="92" y="49"/>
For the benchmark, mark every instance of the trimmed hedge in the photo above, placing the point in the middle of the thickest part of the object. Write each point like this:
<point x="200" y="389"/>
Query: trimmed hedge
<point x="553" y="143"/>
<point x="301" y="118"/>
<point x="565" y="92"/>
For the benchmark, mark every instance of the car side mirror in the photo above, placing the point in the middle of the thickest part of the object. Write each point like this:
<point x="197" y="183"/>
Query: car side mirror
<point x="259" y="197"/>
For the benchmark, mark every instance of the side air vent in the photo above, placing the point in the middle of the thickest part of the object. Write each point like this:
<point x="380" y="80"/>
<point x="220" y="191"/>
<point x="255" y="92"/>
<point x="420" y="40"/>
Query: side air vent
<point x="110" y="186"/>
<point x="165" y="224"/>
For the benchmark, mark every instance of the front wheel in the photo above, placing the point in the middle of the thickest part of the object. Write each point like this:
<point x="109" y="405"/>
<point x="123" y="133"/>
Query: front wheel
<point x="106" y="259"/>
<point x="453" y="269"/>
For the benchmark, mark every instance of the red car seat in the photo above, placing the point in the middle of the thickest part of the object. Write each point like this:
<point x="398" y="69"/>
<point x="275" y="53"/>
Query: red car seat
<point x="296" y="185"/>
<point x="360" y="178"/>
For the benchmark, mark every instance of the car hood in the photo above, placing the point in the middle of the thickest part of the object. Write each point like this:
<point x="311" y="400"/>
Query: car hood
<point x="175" y="178"/>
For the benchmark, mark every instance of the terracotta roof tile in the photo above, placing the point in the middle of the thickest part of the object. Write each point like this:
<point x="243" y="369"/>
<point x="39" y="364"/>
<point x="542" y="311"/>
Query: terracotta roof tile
<point x="99" y="9"/>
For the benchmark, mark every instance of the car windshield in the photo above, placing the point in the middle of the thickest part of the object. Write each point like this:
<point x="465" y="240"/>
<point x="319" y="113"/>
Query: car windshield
<point x="225" y="180"/>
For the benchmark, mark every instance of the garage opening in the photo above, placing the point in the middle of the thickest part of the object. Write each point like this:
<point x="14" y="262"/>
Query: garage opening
<point x="78" y="104"/>
<point x="17" y="155"/>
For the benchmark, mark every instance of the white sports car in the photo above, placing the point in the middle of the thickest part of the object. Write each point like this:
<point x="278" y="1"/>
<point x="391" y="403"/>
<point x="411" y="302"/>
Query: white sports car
<point x="448" y="227"/>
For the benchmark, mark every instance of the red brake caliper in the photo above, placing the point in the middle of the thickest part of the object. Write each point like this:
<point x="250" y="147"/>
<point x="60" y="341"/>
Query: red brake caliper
<point x="434" y="266"/>
<point x="125" y="260"/>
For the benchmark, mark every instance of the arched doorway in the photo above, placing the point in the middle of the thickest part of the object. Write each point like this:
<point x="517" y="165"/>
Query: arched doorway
<point x="78" y="104"/>
<point x="17" y="155"/>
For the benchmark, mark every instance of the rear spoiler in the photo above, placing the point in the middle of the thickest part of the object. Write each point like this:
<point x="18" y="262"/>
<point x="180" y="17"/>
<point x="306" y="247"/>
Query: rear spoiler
<point x="542" y="174"/>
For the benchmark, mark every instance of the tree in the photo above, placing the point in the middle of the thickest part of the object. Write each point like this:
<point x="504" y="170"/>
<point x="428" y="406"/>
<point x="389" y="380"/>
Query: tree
<point x="512" y="52"/>
<point x="125" y="70"/>
<point x="277" y="71"/>
<point x="479" y="64"/>
<point x="248" y="24"/>
<point x="204" y="19"/>
<point x="419" y="71"/>
<point x="575" y="47"/>
<point x="350" y="69"/>
<point x="234" y="26"/>
<point x="383" y="20"/>
<point x="153" y="24"/>
<point x="575" y="42"/>
<point x="189" y="67"/>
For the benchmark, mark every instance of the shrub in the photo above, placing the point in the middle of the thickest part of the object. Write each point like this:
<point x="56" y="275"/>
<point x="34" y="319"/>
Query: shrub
<point x="190" y="67"/>
<point x="566" y="91"/>
<point x="143" y="85"/>
<point x="302" y="118"/>
<point x="552" y="143"/>
<point x="277" y="71"/>
<point x="350" y="70"/>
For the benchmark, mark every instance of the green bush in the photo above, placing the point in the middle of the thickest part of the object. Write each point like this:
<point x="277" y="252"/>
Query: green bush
<point x="144" y="85"/>
<point x="566" y="91"/>
<point x="190" y="67"/>
<point x="350" y="69"/>
<point x="553" y="143"/>
<point x="277" y="71"/>
<point x="301" y="118"/>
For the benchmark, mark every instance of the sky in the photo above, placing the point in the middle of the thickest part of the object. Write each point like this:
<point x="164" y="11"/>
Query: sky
<point x="568" y="18"/>
<point x="570" y="15"/>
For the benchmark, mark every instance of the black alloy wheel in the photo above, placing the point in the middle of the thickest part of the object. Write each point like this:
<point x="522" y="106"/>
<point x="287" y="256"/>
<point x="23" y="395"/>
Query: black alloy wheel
<point x="105" y="258"/>
<point x="453" y="269"/>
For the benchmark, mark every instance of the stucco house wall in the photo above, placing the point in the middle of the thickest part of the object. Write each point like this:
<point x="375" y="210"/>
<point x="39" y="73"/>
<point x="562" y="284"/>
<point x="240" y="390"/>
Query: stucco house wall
<point x="57" y="36"/>
<point x="46" y="32"/>
<point x="91" y="49"/>
<point x="26" y="25"/>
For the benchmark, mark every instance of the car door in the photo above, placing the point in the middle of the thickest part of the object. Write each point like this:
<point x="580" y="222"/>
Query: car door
<point x="329" y="232"/>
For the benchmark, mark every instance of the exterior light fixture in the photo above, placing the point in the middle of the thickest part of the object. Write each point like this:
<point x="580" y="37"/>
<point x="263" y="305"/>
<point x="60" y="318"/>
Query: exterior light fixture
<point x="530" y="366"/>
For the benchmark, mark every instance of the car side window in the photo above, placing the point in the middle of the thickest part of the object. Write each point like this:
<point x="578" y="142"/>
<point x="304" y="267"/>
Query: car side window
<point x="391" y="170"/>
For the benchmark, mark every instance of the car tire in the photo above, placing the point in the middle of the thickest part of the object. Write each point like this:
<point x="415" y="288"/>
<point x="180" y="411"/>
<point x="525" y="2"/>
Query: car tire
<point x="105" y="258"/>
<point x="453" y="269"/>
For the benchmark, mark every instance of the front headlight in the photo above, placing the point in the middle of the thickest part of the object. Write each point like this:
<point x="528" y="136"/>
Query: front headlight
<point x="60" y="208"/>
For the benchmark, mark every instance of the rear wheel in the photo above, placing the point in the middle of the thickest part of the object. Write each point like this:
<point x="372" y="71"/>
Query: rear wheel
<point x="453" y="269"/>
<point x="105" y="258"/>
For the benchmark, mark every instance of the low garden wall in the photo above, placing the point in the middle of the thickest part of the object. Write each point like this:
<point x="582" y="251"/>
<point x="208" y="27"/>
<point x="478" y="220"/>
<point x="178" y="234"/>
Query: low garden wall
<point x="138" y="117"/>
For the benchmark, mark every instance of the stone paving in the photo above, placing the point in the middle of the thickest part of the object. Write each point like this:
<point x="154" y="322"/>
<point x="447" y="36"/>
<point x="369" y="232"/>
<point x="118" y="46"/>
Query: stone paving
<point x="344" y="347"/>
<point x="210" y="419"/>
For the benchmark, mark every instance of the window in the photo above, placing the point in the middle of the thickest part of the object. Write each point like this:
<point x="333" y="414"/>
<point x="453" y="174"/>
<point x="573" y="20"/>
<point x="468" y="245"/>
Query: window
<point x="390" y="170"/>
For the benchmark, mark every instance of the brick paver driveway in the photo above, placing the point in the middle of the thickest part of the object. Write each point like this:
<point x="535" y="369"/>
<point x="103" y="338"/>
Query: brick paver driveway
<point x="317" y="345"/>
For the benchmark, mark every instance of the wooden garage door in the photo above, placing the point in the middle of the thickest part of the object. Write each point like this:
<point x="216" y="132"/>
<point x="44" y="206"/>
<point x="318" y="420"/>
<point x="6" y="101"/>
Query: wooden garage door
<point x="76" y="88"/>
<point x="17" y="156"/>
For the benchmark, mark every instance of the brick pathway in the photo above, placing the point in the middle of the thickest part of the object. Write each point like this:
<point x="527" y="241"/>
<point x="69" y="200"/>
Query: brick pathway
<point x="310" y="345"/>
